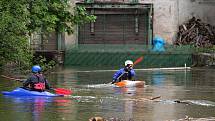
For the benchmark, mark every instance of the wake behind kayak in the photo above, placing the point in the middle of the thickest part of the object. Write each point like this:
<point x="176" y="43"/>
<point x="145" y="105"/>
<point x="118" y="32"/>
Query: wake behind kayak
<point x="23" y="92"/>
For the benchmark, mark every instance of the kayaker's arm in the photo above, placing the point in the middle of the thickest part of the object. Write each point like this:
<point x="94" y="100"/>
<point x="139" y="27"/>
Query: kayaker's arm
<point x="133" y="75"/>
<point x="117" y="75"/>
<point x="133" y="72"/>
<point x="47" y="85"/>
<point x="26" y="82"/>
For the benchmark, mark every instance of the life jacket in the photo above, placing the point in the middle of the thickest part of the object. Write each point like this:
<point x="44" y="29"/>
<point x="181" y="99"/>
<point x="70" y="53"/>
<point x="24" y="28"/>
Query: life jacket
<point x="39" y="86"/>
<point x="39" y="83"/>
<point x="126" y="76"/>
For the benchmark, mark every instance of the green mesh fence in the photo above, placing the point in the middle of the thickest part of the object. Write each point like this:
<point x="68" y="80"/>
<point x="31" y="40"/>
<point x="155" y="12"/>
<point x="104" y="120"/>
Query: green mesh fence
<point x="115" y="55"/>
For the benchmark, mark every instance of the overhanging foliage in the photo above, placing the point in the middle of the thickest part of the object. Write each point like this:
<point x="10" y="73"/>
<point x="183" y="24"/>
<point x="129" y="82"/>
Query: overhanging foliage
<point x="19" y="19"/>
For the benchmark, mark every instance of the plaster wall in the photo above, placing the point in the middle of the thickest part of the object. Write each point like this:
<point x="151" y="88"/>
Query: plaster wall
<point x="203" y="9"/>
<point x="169" y="14"/>
<point x="165" y="19"/>
<point x="70" y="39"/>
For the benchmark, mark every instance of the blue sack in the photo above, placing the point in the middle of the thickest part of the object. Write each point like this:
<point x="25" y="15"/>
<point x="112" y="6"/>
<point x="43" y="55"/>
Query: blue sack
<point x="158" y="44"/>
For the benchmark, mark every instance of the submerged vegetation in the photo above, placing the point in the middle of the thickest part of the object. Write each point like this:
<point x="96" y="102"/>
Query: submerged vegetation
<point x="19" y="19"/>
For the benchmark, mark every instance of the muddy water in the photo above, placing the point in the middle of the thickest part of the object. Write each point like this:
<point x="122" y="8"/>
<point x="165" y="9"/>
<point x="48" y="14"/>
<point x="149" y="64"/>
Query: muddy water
<point x="182" y="93"/>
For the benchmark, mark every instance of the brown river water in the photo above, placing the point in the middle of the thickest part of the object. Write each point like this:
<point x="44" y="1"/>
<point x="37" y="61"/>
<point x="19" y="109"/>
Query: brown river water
<point x="183" y="93"/>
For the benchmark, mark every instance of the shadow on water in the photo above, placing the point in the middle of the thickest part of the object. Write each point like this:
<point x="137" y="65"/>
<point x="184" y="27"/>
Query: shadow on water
<point x="182" y="93"/>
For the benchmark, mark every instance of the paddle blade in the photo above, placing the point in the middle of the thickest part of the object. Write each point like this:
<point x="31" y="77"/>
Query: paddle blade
<point x="62" y="91"/>
<point x="138" y="60"/>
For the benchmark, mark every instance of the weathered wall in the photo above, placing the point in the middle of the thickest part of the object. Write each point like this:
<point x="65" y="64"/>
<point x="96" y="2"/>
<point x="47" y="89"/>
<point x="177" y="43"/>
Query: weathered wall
<point x="70" y="40"/>
<point x="169" y="14"/>
<point x="165" y="21"/>
<point x="203" y="9"/>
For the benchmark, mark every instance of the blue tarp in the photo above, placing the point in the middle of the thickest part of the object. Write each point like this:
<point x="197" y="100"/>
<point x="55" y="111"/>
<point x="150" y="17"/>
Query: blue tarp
<point x="158" y="44"/>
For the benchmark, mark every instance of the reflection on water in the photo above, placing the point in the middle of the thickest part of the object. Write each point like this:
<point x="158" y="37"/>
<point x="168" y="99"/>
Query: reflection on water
<point x="158" y="77"/>
<point x="34" y="106"/>
<point x="183" y="93"/>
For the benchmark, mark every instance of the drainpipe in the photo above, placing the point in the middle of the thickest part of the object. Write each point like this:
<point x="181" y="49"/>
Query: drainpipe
<point x="59" y="55"/>
<point x="59" y="41"/>
<point x="150" y="29"/>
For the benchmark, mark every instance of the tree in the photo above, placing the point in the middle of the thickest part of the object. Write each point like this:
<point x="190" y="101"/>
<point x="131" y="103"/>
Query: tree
<point x="13" y="40"/>
<point x="55" y="15"/>
<point x="19" y="19"/>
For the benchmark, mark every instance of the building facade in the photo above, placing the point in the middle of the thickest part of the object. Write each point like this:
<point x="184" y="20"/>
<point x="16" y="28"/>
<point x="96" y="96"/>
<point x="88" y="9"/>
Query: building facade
<point x="123" y="22"/>
<point x="164" y="16"/>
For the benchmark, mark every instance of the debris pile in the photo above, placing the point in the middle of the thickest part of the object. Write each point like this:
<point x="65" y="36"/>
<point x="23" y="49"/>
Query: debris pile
<point x="196" y="33"/>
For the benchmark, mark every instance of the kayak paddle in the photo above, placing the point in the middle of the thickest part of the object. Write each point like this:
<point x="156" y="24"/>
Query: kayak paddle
<point x="138" y="60"/>
<point x="11" y="78"/>
<point x="61" y="91"/>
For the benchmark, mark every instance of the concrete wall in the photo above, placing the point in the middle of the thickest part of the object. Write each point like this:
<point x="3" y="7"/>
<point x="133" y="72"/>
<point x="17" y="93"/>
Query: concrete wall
<point x="203" y="9"/>
<point x="165" y="21"/>
<point x="169" y="14"/>
<point x="71" y="39"/>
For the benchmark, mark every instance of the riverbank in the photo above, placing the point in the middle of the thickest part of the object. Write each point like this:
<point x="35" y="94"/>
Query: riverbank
<point x="203" y="59"/>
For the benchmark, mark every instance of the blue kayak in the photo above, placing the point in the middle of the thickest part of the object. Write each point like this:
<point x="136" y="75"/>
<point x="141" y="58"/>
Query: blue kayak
<point x="23" y="92"/>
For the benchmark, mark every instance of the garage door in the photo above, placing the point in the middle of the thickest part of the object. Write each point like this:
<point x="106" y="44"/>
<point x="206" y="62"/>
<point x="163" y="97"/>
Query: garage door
<point x="116" y="26"/>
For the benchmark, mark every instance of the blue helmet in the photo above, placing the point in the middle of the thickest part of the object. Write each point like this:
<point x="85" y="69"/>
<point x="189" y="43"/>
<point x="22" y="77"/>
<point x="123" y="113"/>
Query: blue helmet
<point x="36" y="69"/>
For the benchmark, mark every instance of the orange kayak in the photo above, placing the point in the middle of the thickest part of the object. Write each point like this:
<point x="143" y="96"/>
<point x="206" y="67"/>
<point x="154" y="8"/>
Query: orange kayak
<point x="129" y="83"/>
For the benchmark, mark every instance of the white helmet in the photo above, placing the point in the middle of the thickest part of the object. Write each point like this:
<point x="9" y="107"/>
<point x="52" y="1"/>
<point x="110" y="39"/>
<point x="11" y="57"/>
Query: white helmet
<point x="128" y="62"/>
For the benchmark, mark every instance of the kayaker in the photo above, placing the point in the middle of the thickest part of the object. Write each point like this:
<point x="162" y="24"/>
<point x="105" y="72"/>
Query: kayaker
<point x="36" y="82"/>
<point x="126" y="73"/>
